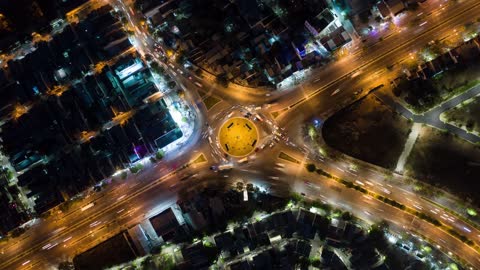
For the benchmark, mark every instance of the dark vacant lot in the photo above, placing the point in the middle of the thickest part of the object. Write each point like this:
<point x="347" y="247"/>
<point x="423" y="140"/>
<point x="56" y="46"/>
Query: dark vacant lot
<point x="368" y="130"/>
<point x="113" y="251"/>
<point x="446" y="161"/>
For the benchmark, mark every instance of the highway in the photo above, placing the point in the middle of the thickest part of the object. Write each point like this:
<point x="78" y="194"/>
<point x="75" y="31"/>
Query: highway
<point x="128" y="202"/>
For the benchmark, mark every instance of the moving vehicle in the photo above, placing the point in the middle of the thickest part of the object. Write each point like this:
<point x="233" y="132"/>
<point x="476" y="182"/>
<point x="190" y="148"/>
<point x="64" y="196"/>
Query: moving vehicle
<point x="88" y="206"/>
<point x="222" y="167"/>
<point x="225" y="167"/>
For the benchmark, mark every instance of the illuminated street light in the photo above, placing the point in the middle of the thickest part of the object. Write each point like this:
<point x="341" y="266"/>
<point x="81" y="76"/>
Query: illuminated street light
<point x="57" y="90"/>
<point x="19" y="110"/>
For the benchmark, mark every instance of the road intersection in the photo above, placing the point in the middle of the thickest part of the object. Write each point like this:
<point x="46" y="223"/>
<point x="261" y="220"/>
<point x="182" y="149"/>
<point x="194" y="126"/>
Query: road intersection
<point x="128" y="202"/>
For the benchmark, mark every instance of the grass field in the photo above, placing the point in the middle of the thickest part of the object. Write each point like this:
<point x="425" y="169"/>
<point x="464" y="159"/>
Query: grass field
<point x="466" y="116"/>
<point x="201" y="93"/>
<point x="368" y="130"/>
<point x="287" y="157"/>
<point x="444" y="160"/>
<point x="210" y="101"/>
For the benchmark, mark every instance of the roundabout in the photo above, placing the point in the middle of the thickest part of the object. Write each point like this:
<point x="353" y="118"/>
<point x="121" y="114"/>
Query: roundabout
<point x="238" y="136"/>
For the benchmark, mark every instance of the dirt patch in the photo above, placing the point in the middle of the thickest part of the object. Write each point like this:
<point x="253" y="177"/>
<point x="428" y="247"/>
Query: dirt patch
<point x="446" y="161"/>
<point x="368" y="130"/>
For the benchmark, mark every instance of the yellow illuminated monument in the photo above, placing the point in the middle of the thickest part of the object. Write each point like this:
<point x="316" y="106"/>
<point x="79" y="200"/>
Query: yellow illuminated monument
<point x="238" y="136"/>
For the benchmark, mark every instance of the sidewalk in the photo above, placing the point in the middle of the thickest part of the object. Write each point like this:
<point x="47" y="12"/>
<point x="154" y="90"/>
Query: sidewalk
<point x="432" y="117"/>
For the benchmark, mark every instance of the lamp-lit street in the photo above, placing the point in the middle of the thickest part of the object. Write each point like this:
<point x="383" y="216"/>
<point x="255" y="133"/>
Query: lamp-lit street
<point x="279" y="117"/>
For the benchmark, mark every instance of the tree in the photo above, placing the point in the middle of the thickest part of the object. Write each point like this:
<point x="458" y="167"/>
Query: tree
<point x="18" y="231"/>
<point x="296" y="197"/>
<point x="240" y="186"/>
<point x="364" y="16"/>
<point x="377" y="236"/>
<point x="65" y="206"/>
<point x="470" y="125"/>
<point x="347" y="216"/>
<point x="159" y="155"/>
<point x="135" y="169"/>
<point x="157" y="68"/>
<point x="167" y="262"/>
<point x="314" y="261"/>
<point x="311" y="167"/>
<point x="222" y="80"/>
<point x="66" y="265"/>
<point x="148" y="264"/>
<point x="8" y="174"/>
<point x="172" y="84"/>
<point x="181" y="58"/>
<point x="123" y="20"/>
<point x="138" y="5"/>
<point x="413" y="6"/>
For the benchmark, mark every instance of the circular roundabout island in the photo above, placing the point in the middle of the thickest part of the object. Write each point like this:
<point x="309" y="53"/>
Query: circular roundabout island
<point x="238" y="136"/>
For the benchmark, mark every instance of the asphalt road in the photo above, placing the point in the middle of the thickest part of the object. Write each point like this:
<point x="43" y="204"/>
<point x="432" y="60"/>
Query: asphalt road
<point x="123" y="205"/>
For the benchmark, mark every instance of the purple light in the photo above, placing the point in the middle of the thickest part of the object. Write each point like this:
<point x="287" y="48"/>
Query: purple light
<point x="140" y="151"/>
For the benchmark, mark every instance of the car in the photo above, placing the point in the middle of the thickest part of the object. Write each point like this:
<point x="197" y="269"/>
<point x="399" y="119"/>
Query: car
<point x="358" y="92"/>
<point x="225" y="167"/>
<point x="198" y="84"/>
<point x="420" y="255"/>
<point x="406" y="248"/>
<point x="243" y="160"/>
<point x="258" y="118"/>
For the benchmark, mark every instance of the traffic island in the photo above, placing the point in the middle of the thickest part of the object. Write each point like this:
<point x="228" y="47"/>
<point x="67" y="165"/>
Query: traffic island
<point x="238" y="137"/>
